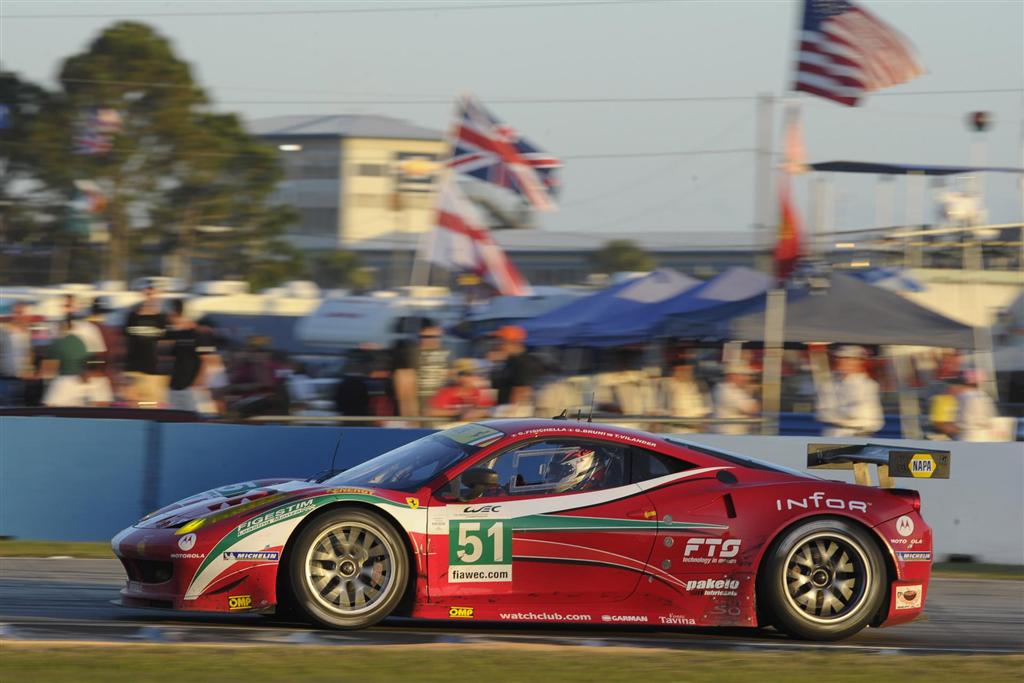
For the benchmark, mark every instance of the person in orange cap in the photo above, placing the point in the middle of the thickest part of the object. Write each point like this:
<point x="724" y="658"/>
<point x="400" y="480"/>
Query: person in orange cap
<point x="514" y="380"/>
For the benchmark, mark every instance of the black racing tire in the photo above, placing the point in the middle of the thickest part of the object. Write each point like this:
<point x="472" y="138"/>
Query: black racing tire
<point x="347" y="569"/>
<point x="823" y="579"/>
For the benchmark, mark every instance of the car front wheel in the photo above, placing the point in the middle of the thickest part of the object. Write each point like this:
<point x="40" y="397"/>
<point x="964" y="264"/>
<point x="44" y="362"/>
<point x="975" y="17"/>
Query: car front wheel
<point x="823" y="580"/>
<point x="348" y="569"/>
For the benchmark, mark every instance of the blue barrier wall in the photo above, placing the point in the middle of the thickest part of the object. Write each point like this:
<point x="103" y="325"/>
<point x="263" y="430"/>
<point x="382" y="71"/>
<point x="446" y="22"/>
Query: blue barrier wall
<point x="86" y="479"/>
<point x="70" y="479"/>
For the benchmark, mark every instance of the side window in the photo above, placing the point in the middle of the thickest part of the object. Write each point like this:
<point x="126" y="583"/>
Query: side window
<point x="558" y="466"/>
<point x="651" y="465"/>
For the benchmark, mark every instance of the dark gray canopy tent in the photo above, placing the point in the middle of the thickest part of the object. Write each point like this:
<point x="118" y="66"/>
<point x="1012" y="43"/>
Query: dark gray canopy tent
<point x="848" y="310"/>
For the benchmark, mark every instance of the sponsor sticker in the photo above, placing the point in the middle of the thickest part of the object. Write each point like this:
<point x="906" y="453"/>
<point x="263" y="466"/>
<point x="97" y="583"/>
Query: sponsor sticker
<point x="349" y="489"/>
<point x="187" y="541"/>
<point x="251" y="555"/>
<point x="624" y="618"/>
<point x="713" y="586"/>
<point x="276" y="515"/>
<point x="922" y="465"/>
<point x="479" y="551"/>
<point x="187" y="556"/>
<point x="239" y="602"/>
<point x="908" y="597"/>
<point x="413" y="503"/>
<point x="677" y="620"/>
<point x="542" y="616"/>
<point x="914" y="555"/>
<point x="817" y="501"/>
<point x="460" y="612"/>
<point x="711" y="550"/>
<point x="904" y="526"/>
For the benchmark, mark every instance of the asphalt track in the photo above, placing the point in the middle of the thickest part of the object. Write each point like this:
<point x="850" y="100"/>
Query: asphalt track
<point x="71" y="599"/>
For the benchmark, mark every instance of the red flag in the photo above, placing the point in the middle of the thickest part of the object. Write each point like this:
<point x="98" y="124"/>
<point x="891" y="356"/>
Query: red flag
<point x="461" y="242"/>
<point x="788" y="247"/>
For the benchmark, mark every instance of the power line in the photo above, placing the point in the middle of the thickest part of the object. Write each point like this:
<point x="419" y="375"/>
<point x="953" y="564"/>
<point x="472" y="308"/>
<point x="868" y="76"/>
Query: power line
<point x="351" y="10"/>
<point x="657" y="99"/>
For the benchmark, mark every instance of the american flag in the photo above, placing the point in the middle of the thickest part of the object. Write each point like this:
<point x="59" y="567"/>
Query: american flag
<point x="96" y="130"/>
<point x="487" y="149"/>
<point x="461" y="242"/>
<point x="846" y="51"/>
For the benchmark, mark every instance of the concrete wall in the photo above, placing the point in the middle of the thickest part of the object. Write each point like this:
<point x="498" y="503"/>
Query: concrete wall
<point x="71" y="479"/>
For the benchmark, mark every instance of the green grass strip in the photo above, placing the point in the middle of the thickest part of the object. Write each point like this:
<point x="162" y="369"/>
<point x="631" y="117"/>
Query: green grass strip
<point x="83" y="663"/>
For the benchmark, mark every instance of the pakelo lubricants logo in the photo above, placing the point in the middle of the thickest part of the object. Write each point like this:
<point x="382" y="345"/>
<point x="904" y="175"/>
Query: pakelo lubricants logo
<point x="713" y="586"/>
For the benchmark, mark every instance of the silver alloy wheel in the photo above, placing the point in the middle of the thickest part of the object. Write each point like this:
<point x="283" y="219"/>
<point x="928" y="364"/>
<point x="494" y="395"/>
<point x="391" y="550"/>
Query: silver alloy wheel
<point x="827" y="577"/>
<point x="349" y="568"/>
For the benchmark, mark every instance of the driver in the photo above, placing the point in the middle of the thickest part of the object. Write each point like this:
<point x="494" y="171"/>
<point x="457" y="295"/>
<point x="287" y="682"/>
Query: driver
<point x="579" y="469"/>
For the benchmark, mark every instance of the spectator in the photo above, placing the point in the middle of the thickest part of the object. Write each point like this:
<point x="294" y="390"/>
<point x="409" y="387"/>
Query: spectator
<point x="65" y="366"/>
<point x="852" y="406"/>
<point x="515" y="379"/>
<point x="17" y="365"/>
<point x="420" y="370"/>
<point x="681" y="395"/>
<point x="352" y="393"/>
<point x="143" y="330"/>
<point x="113" y="340"/>
<point x="190" y="347"/>
<point x="942" y="410"/>
<point x="465" y="399"/>
<point x="733" y="399"/>
<point x="84" y="328"/>
<point x="975" y="411"/>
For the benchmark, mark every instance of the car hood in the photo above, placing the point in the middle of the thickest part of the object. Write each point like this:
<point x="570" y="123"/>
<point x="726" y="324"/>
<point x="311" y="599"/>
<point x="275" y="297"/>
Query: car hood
<point x="228" y="500"/>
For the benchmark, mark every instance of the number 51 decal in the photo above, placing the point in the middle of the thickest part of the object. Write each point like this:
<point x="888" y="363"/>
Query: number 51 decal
<point x="479" y="551"/>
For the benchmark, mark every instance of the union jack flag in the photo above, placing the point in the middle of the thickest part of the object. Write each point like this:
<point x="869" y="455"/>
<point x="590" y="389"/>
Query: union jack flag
<point x="487" y="149"/>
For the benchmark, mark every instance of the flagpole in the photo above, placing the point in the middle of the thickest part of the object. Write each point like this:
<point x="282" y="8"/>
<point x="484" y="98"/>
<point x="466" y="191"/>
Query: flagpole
<point x="421" y="265"/>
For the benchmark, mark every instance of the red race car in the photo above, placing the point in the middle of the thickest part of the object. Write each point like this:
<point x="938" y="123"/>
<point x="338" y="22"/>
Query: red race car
<point x="553" y="521"/>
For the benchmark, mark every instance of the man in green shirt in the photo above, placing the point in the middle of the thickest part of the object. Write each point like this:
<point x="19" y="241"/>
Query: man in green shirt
<point x="65" y="365"/>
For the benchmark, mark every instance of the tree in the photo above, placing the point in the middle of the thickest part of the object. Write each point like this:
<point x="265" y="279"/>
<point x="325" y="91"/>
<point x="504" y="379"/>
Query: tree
<point x="342" y="269"/>
<point x="621" y="256"/>
<point x="172" y="167"/>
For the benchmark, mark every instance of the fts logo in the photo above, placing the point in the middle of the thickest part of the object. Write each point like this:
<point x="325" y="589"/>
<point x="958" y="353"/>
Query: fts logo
<point x="711" y="550"/>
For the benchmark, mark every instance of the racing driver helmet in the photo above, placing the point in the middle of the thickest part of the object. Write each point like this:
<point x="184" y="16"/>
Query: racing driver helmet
<point x="575" y="470"/>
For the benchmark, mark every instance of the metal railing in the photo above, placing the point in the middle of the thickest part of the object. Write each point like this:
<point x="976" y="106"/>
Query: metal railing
<point x="651" y="423"/>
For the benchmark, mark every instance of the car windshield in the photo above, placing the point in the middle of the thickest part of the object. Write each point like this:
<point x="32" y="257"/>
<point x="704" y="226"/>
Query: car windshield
<point x="409" y="467"/>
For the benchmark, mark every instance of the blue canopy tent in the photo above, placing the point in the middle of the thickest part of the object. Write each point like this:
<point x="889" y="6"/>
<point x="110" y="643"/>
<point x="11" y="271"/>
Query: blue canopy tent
<point x="641" y="323"/>
<point x="559" y="327"/>
<point x="847" y="310"/>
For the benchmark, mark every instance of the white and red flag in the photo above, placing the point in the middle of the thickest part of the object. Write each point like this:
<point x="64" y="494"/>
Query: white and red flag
<point x="461" y="242"/>
<point x="845" y="51"/>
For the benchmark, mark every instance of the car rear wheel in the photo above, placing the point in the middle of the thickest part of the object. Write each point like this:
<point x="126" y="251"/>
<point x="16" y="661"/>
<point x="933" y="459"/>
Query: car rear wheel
<point x="823" y="580"/>
<point x="348" y="569"/>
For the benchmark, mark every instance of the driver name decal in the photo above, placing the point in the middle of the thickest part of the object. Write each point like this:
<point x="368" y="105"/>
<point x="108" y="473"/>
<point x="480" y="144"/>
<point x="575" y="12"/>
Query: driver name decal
<point x="479" y="551"/>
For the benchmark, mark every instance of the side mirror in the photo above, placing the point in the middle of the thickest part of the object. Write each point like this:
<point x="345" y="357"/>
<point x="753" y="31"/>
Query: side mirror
<point x="478" y="480"/>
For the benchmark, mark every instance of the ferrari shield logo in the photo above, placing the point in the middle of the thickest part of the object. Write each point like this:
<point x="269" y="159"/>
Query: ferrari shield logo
<point x="413" y="503"/>
<point x="922" y="465"/>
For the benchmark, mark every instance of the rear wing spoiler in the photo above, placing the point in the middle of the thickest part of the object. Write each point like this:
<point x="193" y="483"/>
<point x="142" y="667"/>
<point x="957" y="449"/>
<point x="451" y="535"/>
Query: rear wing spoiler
<point x="890" y="461"/>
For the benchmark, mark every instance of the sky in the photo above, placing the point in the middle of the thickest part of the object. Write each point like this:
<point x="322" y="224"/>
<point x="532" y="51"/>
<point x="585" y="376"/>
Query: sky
<point x="529" y="60"/>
